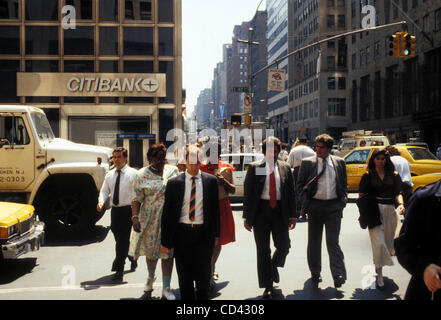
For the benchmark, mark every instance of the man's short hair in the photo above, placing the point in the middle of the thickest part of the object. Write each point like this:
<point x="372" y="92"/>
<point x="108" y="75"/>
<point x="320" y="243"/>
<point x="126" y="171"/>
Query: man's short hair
<point x="121" y="149"/>
<point x="276" y="142"/>
<point x="325" y="139"/>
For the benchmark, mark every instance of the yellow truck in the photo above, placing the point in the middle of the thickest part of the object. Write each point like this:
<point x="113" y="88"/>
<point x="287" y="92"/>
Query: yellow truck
<point x="20" y="232"/>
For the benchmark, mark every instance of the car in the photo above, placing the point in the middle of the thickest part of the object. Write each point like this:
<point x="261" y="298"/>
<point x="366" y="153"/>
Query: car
<point x="20" y="232"/>
<point x="421" y="160"/>
<point x="240" y="163"/>
<point x="425" y="180"/>
<point x="353" y="139"/>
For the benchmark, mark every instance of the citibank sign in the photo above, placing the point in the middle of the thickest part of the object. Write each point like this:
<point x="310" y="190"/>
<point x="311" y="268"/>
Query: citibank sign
<point x="100" y="84"/>
<point x="91" y="84"/>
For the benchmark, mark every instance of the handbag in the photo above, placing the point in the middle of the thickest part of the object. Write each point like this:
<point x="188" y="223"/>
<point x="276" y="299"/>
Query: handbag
<point x="369" y="211"/>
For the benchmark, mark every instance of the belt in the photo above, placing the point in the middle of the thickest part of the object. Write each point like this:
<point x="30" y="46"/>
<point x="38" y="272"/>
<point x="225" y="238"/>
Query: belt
<point x="191" y="226"/>
<point x="324" y="200"/>
<point x="385" y="200"/>
<point x="121" y="207"/>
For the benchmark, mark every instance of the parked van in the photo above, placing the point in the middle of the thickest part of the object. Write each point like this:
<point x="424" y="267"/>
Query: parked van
<point x="354" y="139"/>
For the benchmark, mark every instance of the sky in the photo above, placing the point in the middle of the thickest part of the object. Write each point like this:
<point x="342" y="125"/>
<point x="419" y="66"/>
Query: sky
<point x="206" y="26"/>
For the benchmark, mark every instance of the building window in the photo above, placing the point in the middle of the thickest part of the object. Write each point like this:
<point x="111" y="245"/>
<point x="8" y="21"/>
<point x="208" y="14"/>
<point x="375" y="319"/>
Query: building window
<point x="109" y="41"/>
<point x="138" y="10"/>
<point x="331" y="21"/>
<point x="368" y="54"/>
<point x="438" y="20"/>
<point x="165" y="41"/>
<point x="42" y="40"/>
<point x="331" y="3"/>
<point x="361" y="57"/>
<point x="331" y="62"/>
<point x="165" y="10"/>
<point x="341" y="21"/>
<point x="79" y="41"/>
<point x="83" y="8"/>
<point x="9" y="40"/>
<point x="354" y="61"/>
<point x="331" y="83"/>
<point x="336" y="107"/>
<point x="108" y="10"/>
<point x="138" y="41"/>
<point x="8" y="81"/>
<point x="342" y="83"/>
<point x="42" y="10"/>
<point x="9" y="9"/>
<point x="341" y="3"/>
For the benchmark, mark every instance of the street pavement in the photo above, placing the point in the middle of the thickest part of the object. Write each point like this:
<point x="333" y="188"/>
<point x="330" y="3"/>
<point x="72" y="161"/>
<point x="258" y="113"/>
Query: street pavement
<point x="80" y="269"/>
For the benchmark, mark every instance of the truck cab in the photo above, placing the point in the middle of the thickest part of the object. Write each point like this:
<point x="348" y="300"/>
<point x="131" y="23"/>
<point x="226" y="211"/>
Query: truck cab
<point x="61" y="179"/>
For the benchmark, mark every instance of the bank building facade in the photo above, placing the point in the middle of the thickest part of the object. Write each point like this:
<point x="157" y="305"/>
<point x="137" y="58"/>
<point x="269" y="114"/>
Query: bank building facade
<point x="106" y="72"/>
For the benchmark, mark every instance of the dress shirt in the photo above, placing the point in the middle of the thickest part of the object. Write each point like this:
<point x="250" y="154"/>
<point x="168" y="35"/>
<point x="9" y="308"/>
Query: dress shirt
<point x="403" y="168"/>
<point x="265" y="192"/>
<point x="297" y="154"/>
<point x="126" y="186"/>
<point x="327" y="183"/>
<point x="199" y="208"/>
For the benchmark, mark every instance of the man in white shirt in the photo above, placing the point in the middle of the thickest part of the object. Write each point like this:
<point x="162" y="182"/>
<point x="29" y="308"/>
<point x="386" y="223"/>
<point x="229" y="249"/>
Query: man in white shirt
<point x="322" y="185"/>
<point x="296" y="155"/>
<point x="403" y="168"/>
<point x="118" y="187"/>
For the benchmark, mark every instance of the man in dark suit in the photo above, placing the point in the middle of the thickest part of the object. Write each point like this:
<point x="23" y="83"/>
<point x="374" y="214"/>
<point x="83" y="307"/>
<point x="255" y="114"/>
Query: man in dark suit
<point x="191" y="226"/>
<point x="269" y="208"/>
<point x="322" y="186"/>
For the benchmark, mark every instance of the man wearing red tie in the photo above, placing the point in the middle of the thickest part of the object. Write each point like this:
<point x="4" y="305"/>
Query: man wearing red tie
<point x="191" y="225"/>
<point x="269" y="208"/>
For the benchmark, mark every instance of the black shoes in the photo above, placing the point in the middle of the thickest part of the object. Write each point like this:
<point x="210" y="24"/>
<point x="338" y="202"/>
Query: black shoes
<point x="339" y="281"/>
<point x="316" y="279"/>
<point x="268" y="294"/>
<point x="118" y="276"/>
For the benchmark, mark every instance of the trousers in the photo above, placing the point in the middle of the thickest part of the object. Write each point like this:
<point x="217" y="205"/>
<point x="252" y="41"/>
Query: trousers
<point x="121" y="225"/>
<point x="325" y="213"/>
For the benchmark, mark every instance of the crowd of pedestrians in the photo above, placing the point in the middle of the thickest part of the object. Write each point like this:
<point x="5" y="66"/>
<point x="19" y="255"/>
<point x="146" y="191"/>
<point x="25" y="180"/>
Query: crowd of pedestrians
<point x="181" y="214"/>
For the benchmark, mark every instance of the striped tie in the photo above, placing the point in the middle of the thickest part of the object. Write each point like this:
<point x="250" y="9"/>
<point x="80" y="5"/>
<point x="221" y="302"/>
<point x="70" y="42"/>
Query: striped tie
<point x="192" y="199"/>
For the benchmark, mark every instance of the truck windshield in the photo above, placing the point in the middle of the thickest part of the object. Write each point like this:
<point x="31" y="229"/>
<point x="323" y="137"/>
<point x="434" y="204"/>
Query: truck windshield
<point x="42" y="126"/>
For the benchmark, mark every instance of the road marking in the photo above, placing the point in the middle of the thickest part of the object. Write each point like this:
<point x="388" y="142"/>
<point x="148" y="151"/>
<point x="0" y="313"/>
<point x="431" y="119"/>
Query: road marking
<point x="83" y="287"/>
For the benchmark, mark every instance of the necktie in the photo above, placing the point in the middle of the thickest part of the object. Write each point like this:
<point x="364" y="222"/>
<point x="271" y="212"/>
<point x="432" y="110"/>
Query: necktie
<point x="272" y="189"/>
<point x="116" y="191"/>
<point x="192" y="199"/>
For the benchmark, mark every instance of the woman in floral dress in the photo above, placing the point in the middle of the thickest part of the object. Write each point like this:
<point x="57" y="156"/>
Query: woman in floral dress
<point x="146" y="217"/>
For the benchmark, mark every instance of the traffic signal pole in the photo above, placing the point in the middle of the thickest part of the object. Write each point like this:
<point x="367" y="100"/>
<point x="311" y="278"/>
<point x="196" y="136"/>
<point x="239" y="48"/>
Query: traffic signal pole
<point x="277" y="61"/>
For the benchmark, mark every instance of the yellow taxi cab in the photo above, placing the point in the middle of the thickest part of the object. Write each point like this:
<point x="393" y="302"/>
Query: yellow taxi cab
<point x="421" y="161"/>
<point x="19" y="231"/>
<point x="425" y="180"/>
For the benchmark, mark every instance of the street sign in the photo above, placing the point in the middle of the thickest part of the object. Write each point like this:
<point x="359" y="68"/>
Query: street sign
<point x="239" y="89"/>
<point x="247" y="103"/>
<point x="276" y="79"/>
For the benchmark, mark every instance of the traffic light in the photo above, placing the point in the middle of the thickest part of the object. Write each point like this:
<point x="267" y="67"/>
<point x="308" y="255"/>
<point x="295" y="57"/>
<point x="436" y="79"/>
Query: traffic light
<point x="236" y="120"/>
<point x="407" y="45"/>
<point x="394" y="44"/>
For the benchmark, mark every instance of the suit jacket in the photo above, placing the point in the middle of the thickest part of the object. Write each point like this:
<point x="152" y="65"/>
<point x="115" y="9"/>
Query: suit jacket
<point x="174" y="197"/>
<point x="308" y="170"/>
<point x="253" y="187"/>
<point x="419" y="242"/>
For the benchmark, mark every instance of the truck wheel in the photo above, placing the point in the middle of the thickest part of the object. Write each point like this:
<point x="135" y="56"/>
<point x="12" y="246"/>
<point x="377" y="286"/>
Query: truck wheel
<point x="68" y="211"/>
